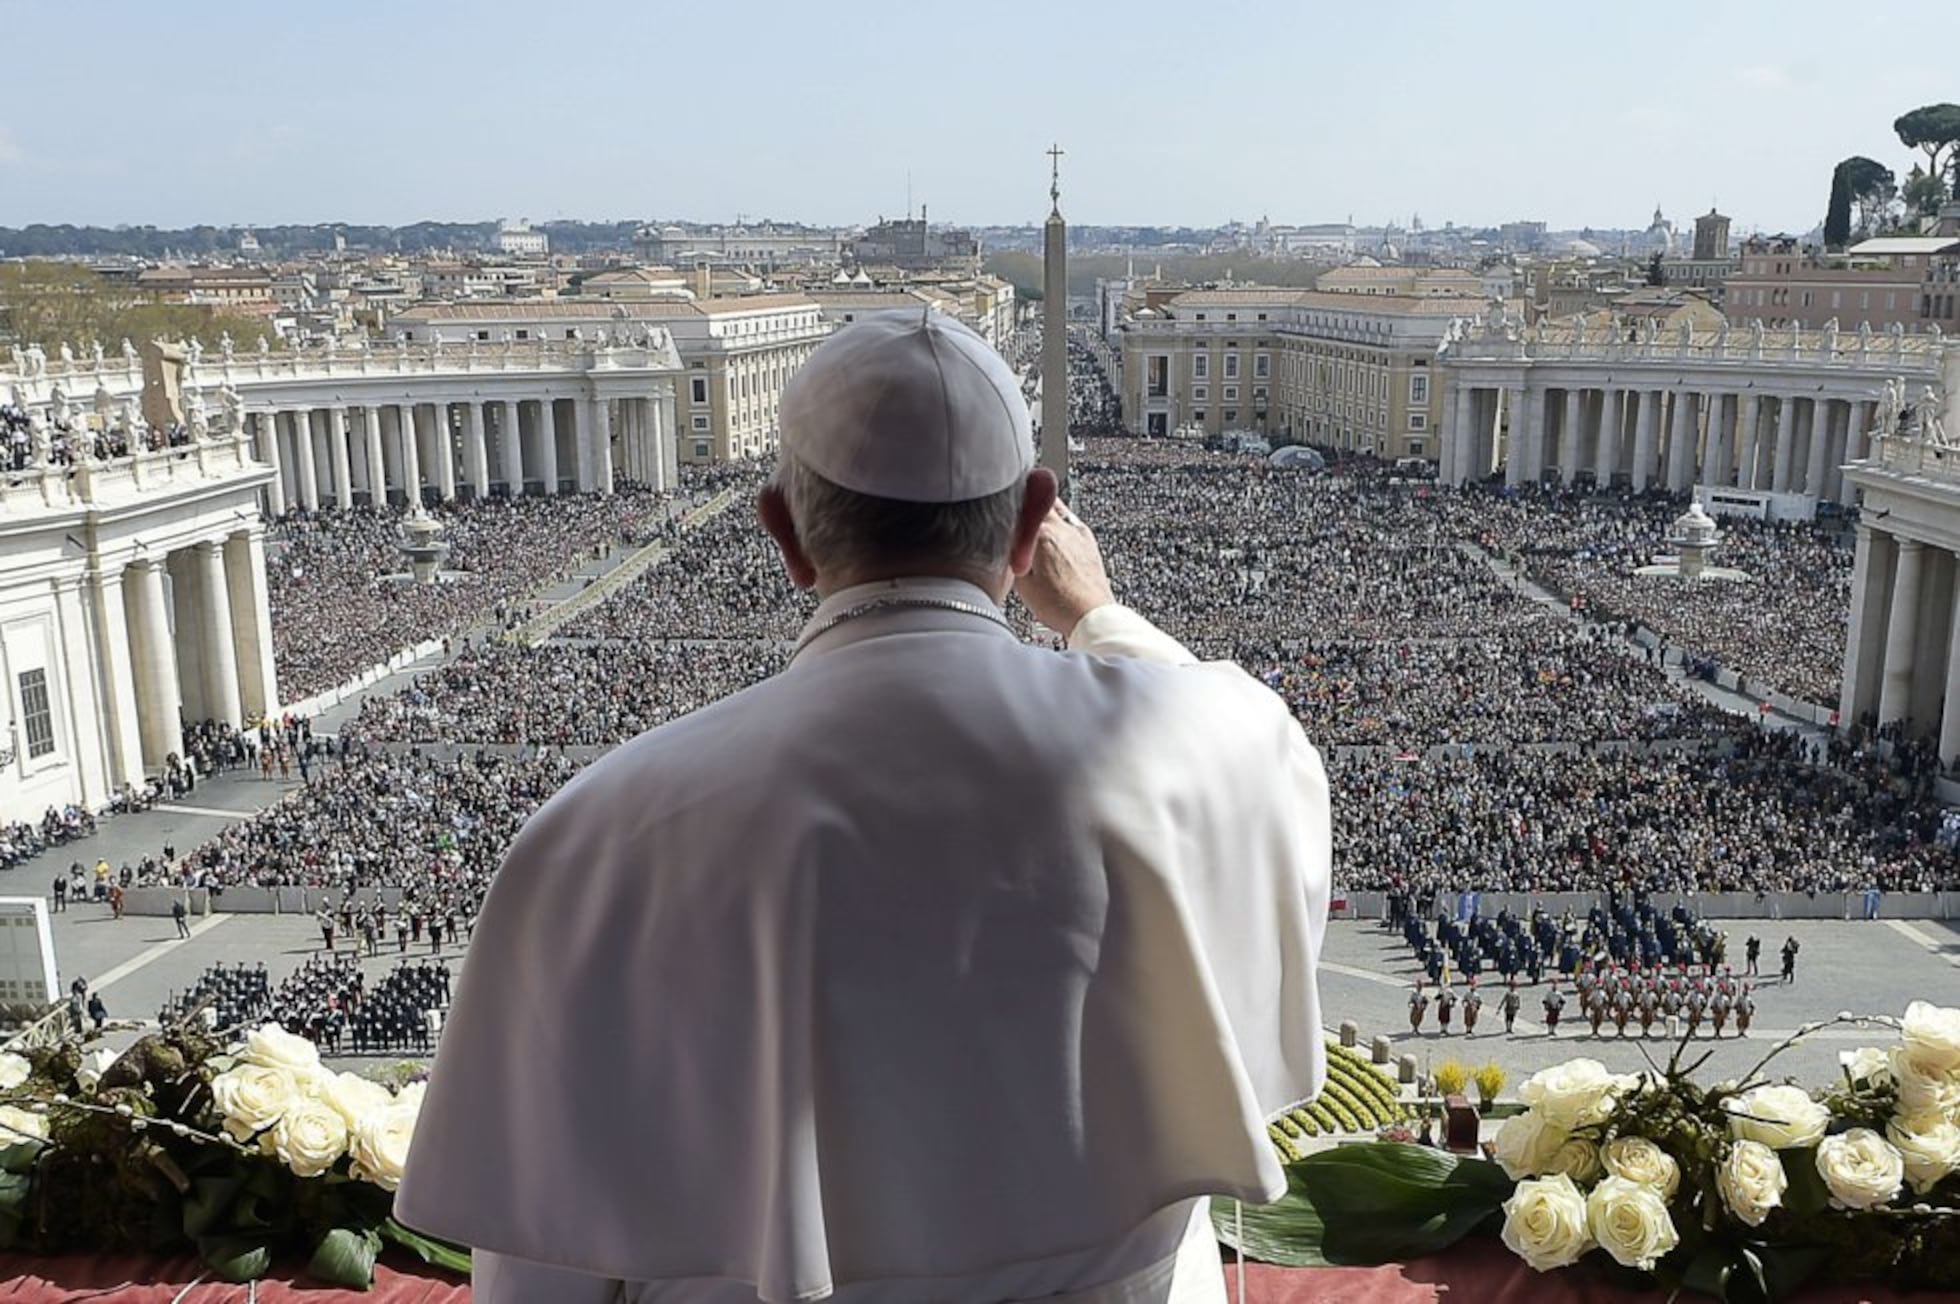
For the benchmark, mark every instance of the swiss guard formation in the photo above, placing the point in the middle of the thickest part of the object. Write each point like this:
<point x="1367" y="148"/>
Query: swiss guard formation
<point x="1630" y="966"/>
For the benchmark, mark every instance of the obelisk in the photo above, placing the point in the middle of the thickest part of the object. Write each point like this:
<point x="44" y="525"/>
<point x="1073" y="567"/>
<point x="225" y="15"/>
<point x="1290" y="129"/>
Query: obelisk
<point x="1054" y="329"/>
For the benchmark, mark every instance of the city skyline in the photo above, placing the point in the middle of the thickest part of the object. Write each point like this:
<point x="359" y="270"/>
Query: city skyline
<point x="373" y="115"/>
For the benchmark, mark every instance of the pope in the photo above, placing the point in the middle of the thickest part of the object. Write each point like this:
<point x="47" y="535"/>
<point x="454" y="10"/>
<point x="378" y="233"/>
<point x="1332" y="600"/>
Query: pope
<point x="938" y="966"/>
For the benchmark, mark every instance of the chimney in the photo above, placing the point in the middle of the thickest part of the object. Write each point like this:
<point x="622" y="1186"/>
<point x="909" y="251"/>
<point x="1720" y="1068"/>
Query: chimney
<point x="704" y="280"/>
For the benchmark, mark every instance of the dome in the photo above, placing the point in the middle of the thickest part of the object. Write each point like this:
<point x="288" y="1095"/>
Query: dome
<point x="1581" y="248"/>
<point x="1366" y="261"/>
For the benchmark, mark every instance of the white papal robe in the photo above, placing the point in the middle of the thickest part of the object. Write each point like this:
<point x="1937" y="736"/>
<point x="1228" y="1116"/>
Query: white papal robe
<point x="937" y="967"/>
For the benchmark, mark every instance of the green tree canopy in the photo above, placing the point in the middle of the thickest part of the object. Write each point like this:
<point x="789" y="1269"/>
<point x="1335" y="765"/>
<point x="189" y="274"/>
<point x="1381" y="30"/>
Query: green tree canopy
<point x="1837" y="213"/>
<point x="52" y="303"/>
<point x="1924" y="192"/>
<point x="1932" y="128"/>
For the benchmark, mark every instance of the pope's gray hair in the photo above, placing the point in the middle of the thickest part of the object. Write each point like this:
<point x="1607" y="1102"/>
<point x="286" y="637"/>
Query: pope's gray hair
<point x="842" y="530"/>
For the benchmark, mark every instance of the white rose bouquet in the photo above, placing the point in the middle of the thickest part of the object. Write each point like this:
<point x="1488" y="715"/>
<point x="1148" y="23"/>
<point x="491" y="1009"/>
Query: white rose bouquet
<point x="253" y="1150"/>
<point x="1741" y="1190"/>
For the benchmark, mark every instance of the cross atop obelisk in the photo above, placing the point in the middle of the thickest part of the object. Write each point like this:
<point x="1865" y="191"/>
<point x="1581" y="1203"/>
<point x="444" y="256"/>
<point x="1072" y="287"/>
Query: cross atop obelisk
<point x="1054" y="328"/>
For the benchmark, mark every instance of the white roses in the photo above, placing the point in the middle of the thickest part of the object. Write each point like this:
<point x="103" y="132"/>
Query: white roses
<point x="1577" y="1093"/>
<point x="1861" y="1167"/>
<point x="1639" y="1160"/>
<point x="252" y="1097"/>
<point x="1752" y="1181"/>
<point x="17" y="1125"/>
<point x="380" y="1145"/>
<point x="1527" y="1143"/>
<point x="1630" y="1221"/>
<point x="1930" y="1036"/>
<point x="13" y="1070"/>
<point x="308" y="1137"/>
<point x="308" y="1118"/>
<point x="1545" y="1223"/>
<point x="1781" y="1117"/>
<point x="1929" y="1146"/>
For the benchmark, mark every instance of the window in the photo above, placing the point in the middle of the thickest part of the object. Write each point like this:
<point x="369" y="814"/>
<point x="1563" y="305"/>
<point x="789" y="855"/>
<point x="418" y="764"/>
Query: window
<point x="1262" y="366"/>
<point x="1418" y="421"/>
<point x="1419" y="390"/>
<point x="571" y="332"/>
<point x="700" y="389"/>
<point x="1231" y="366"/>
<point x="1199" y="416"/>
<point x="1259" y="395"/>
<point x="35" y="713"/>
<point x="1231" y="415"/>
<point x="701" y="421"/>
<point x="523" y="335"/>
<point x="701" y="448"/>
<point x="1200" y="366"/>
<point x="483" y="335"/>
<point x="1231" y="393"/>
<point x="1199" y="393"/>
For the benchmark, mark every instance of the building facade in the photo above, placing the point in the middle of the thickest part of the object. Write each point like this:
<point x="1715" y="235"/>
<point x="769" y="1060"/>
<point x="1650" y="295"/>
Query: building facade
<point x="1912" y="282"/>
<point x="1770" y="415"/>
<point x="1348" y="371"/>
<point x="133" y="598"/>
<point x="1902" y="653"/>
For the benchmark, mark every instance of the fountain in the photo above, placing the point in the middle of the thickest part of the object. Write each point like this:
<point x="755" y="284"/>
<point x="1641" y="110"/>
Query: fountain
<point x="1693" y="537"/>
<point x="421" y="546"/>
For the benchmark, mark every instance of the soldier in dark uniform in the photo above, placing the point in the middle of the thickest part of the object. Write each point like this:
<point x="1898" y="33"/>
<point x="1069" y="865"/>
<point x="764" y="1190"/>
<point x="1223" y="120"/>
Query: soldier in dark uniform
<point x="1790" y="947"/>
<point x="1753" y="950"/>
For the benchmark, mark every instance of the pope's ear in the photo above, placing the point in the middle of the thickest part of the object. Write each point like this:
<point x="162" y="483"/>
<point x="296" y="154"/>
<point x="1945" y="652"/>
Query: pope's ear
<point x="1036" y="502"/>
<point x="772" y="509"/>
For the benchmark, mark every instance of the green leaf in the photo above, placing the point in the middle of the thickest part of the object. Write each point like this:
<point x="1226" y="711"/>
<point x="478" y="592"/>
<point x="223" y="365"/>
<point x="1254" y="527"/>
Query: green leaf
<point x="236" y="1258"/>
<point x="1807" y="1196"/>
<point x="1370" y="1204"/>
<point x="345" y="1258"/>
<point x="439" y="1253"/>
<point x="1710" y="1271"/>
<point x="14" y="1190"/>
<point x="209" y="1206"/>
<point x="1782" y="1270"/>
<point x="18" y="1154"/>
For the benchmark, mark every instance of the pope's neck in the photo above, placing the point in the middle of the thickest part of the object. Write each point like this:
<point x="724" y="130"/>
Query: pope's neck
<point x="994" y="586"/>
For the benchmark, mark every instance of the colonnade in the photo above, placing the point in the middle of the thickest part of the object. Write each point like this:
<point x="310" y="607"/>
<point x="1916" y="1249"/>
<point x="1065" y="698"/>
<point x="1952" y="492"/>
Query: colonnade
<point x="185" y="634"/>
<point x="1646" y="437"/>
<point x="410" y="451"/>
<point x="1902" y="659"/>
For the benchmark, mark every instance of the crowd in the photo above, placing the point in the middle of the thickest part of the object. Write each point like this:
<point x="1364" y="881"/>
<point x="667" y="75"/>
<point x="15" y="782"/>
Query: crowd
<point x="327" y="999"/>
<point x="336" y="611"/>
<point x="1784" y="625"/>
<point x="68" y="442"/>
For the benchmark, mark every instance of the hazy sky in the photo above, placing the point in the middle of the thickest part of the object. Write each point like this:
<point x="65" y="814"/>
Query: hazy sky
<point x="131" y="111"/>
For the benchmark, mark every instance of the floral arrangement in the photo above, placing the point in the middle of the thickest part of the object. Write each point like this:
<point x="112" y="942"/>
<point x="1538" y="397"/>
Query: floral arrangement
<point x="1742" y="1190"/>
<point x="245" y="1152"/>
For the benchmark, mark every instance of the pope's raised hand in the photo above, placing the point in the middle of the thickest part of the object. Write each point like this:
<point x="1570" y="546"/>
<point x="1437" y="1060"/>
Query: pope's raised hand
<point x="1067" y="580"/>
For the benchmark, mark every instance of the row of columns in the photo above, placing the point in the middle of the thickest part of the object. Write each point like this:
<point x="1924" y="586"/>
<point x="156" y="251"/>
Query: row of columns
<point x="1656" y="437"/>
<point x="186" y="635"/>
<point x="1902" y="659"/>
<point x="412" y="452"/>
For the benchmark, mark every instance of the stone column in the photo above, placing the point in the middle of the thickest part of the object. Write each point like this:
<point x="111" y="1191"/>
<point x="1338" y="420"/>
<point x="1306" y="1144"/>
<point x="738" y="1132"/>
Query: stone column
<point x="309" y="474"/>
<point x="221" y="688"/>
<point x="599" y="436"/>
<point x="548" y="444"/>
<point x="275" y="490"/>
<point x="1901" y="633"/>
<point x="1515" y="458"/>
<point x="581" y="410"/>
<point x="377" y="462"/>
<point x="1568" y="439"/>
<point x="121" y="718"/>
<point x="1681" y="443"/>
<point x="411" y="422"/>
<point x="445" y="451"/>
<point x="511" y="438"/>
<point x="1646" y="424"/>
<point x="1856" y="448"/>
<point x="665" y="449"/>
<point x="1752" y="421"/>
<point x="251" y="623"/>
<point x="157" y="697"/>
<point x="343" y="474"/>
<point x="1612" y="423"/>
<point x="1950" y="712"/>
<point x="1817" y="464"/>
<point x="1455" y="466"/>
<point x="1786" y="444"/>
<point x="1864" y="649"/>
<point x="476" y="451"/>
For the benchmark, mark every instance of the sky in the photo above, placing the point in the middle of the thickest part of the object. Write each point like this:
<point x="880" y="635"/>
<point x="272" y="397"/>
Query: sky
<point x="1196" y="113"/>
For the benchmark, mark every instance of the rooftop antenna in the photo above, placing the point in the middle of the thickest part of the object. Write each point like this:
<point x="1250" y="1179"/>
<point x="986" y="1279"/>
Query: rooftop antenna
<point x="908" y="194"/>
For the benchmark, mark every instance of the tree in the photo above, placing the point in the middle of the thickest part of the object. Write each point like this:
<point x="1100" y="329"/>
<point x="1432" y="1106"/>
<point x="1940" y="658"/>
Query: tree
<point x="1656" y="274"/>
<point x="1924" y="192"/>
<point x="1837" y="213"/>
<point x="1873" y="188"/>
<point x="1933" y="128"/>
